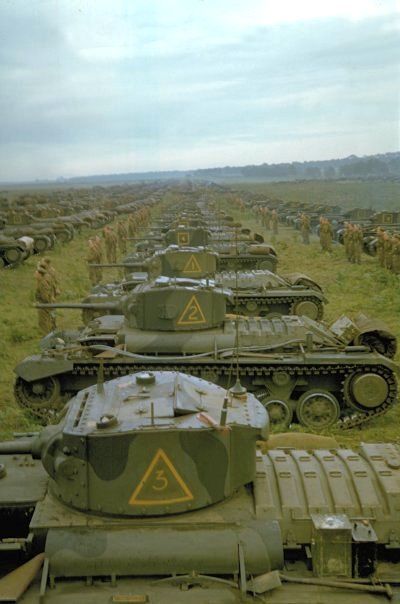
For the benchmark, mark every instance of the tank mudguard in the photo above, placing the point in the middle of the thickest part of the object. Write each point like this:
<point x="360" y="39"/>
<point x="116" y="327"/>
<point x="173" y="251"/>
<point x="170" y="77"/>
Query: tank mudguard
<point x="302" y="279"/>
<point x="36" y="367"/>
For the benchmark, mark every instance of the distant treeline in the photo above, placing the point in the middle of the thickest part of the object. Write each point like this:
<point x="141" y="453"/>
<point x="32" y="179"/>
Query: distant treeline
<point x="374" y="166"/>
<point x="386" y="166"/>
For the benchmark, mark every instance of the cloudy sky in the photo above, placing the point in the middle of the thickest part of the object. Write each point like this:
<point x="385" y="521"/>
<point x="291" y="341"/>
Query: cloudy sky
<point x="104" y="86"/>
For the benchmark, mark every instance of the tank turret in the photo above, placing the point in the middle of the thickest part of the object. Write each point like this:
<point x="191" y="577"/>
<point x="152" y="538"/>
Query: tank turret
<point x="176" y="305"/>
<point x="141" y="445"/>
<point x="187" y="262"/>
<point x="188" y="236"/>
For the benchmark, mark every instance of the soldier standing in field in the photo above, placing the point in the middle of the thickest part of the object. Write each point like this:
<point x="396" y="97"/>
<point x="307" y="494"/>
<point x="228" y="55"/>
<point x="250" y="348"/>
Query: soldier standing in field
<point x="325" y="235"/>
<point x="110" y="240"/>
<point x="305" y="227"/>
<point x="359" y="244"/>
<point x="274" y="222"/>
<point x="131" y="225"/>
<point x="52" y="275"/>
<point x="92" y="257"/>
<point x="122" y="237"/>
<point x="44" y="294"/>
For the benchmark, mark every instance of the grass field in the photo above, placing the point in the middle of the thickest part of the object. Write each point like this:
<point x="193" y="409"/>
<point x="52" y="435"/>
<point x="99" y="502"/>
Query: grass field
<point x="379" y="195"/>
<point x="349" y="288"/>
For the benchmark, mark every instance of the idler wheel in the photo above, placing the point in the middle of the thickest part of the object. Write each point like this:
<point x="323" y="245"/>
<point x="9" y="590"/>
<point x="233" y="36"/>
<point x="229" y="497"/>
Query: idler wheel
<point x="41" y="397"/>
<point x="317" y="409"/>
<point x="13" y="255"/>
<point x="306" y="308"/>
<point x="41" y="244"/>
<point x="266" y="265"/>
<point x="366" y="390"/>
<point x="280" y="414"/>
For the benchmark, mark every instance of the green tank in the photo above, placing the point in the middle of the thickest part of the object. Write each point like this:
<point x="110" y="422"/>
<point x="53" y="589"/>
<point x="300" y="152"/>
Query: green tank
<point x="257" y="293"/>
<point x="14" y="251"/>
<point x="151" y="489"/>
<point x="302" y="370"/>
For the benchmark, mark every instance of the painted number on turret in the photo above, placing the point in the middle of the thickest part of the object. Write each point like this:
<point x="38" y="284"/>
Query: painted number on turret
<point x="161" y="484"/>
<point x="183" y="238"/>
<point x="192" y="265"/>
<point x="192" y="313"/>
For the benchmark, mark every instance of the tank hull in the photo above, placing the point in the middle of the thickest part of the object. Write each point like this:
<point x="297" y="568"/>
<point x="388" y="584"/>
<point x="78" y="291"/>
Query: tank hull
<point x="220" y="550"/>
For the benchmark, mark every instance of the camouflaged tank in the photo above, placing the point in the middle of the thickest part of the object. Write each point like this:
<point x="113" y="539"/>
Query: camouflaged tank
<point x="257" y="293"/>
<point x="302" y="370"/>
<point x="151" y="489"/>
<point x="236" y="250"/>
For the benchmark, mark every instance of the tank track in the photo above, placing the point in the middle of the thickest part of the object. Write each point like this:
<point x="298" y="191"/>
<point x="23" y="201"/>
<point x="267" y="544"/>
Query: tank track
<point x="289" y="300"/>
<point x="350" y="417"/>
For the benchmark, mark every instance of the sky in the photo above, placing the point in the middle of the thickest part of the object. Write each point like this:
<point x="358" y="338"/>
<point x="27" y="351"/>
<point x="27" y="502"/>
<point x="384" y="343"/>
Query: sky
<point x="112" y="86"/>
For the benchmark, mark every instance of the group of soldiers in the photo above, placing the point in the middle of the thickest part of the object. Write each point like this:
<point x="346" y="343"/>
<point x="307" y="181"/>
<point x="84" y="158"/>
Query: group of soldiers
<point x="113" y="238"/>
<point x="388" y="250"/>
<point x="269" y="219"/>
<point x="353" y="241"/>
<point x="47" y="291"/>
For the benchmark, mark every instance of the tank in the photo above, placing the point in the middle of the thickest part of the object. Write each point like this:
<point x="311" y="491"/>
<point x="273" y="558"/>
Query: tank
<point x="43" y="237"/>
<point x="14" y="251"/>
<point x="302" y="370"/>
<point x="257" y="293"/>
<point x="152" y="489"/>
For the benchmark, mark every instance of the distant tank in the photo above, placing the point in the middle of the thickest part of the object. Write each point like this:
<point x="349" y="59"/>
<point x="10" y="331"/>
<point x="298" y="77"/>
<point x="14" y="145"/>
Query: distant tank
<point x="302" y="370"/>
<point x="151" y="489"/>
<point x="14" y="251"/>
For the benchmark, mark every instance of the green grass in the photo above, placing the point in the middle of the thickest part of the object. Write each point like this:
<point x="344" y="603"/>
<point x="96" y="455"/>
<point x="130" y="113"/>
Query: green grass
<point x="349" y="288"/>
<point x="380" y="195"/>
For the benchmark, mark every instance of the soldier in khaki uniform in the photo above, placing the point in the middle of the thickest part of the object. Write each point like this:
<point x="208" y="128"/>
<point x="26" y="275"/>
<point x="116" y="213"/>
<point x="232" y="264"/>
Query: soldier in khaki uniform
<point x="122" y="237"/>
<point x="274" y="222"/>
<point x="346" y="240"/>
<point x="110" y="240"/>
<point x="92" y="257"/>
<point x="305" y="227"/>
<point x="52" y="275"/>
<point x="131" y="225"/>
<point x="325" y="234"/>
<point x="44" y="294"/>
<point x="358" y="244"/>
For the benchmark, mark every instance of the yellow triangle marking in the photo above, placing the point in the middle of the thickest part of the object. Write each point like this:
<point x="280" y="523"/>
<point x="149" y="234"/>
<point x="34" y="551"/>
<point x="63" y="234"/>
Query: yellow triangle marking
<point x="183" y="238"/>
<point x="192" y="313"/>
<point x="192" y="265"/>
<point x="161" y="484"/>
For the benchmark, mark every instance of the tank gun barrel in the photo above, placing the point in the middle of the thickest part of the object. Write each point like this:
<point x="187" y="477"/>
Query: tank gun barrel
<point x="80" y="305"/>
<point x="19" y="446"/>
<point x="117" y="265"/>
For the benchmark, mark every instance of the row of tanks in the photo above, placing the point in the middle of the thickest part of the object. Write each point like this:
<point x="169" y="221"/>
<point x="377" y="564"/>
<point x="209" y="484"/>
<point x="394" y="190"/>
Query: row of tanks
<point x="303" y="370"/>
<point x="164" y="487"/>
<point x="34" y="224"/>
